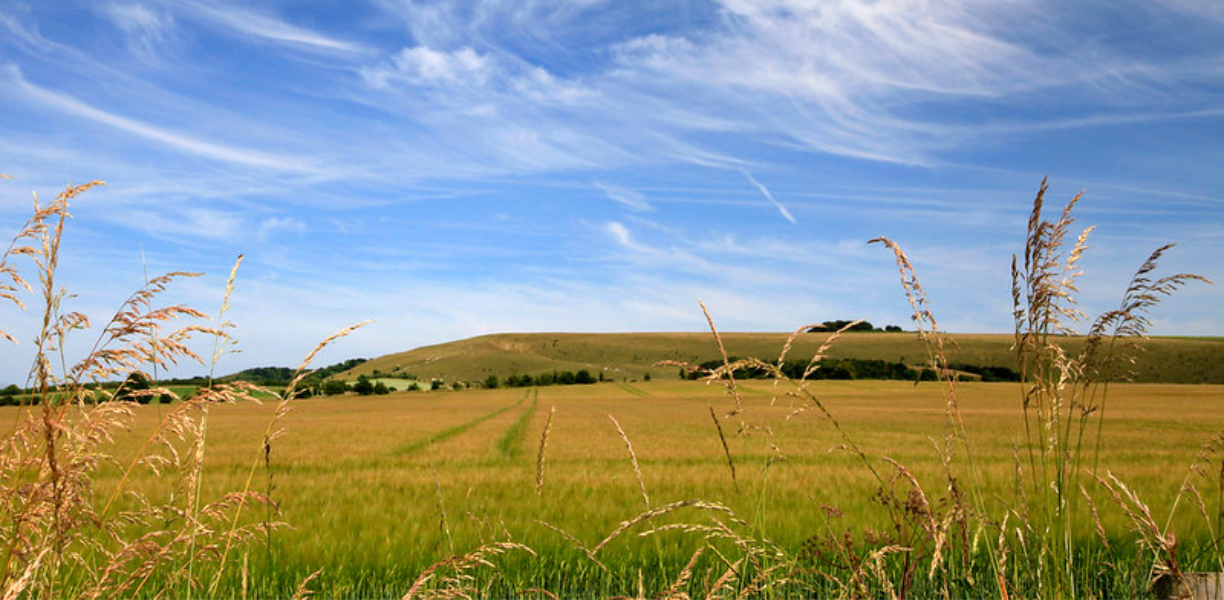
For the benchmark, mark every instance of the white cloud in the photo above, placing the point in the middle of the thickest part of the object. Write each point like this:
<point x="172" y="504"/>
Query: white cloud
<point x="419" y="65"/>
<point x="769" y="196"/>
<point x="625" y="196"/>
<point x="25" y="31"/>
<point x="148" y="30"/>
<point x="186" y="223"/>
<point x="621" y="234"/>
<point x="270" y="29"/>
<point x="470" y="79"/>
<point x="230" y="154"/>
<point x="894" y="80"/>
<point x="1211" y="9"/>
<point x="272" y="225"/>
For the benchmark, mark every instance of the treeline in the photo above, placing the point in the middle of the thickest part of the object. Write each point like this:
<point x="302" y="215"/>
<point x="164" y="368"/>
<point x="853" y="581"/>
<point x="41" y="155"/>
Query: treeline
<point x="831" y="326"/>
<point x="133" y="387"/>
<point x="582" y="377"/>
<point x="853" y="368"/>
<point x="332" y="387"/>
<point x="280" y="376"/>
<point x="987" y="373"/>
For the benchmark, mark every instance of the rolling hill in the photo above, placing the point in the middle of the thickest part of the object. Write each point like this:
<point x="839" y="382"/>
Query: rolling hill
<point x="633" y="355"/>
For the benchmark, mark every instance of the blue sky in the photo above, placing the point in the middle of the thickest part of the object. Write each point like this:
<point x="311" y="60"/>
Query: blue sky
<point x="458" y="168"/>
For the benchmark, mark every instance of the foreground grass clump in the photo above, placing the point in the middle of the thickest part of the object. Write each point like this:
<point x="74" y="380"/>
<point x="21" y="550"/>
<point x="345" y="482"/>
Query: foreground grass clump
<point x="156" y="529"/>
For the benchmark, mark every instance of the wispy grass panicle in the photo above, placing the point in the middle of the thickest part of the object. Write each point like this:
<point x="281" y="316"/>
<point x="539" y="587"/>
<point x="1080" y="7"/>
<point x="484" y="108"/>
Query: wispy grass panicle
<point x="57" y="538"/>
<point x="273" y="431"/>
<point x="541" y="454"/>
<point x="637" y="472"/>
<point x="62" y="536"/>
<point x="1061" y="392"/>
<point x="1064" y="391"/>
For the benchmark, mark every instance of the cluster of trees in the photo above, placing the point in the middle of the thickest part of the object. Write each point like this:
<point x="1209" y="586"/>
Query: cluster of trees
<point x="987" y="373"/>
<point x="582" y="377"/>
<point x="281" y="376"/>
<point x="363" y="387"/>
<point x="829" y="326"/>
<point x="269" y="377"/>
<point x="313" y="384"/>
<point x="135" y="385"/>
<point x="855" y="368"/>
<point x="11" y="395"/>
<point x="829" y="368"/>
<point x="133" y="388"/>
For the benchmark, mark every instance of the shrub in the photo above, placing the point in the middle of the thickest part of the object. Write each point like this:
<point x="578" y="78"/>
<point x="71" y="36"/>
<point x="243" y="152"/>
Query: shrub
<point x="332" y="387"/>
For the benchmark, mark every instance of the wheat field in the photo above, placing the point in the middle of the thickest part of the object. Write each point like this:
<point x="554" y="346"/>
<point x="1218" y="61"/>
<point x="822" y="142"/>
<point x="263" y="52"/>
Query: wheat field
<point x="373" y="506"/>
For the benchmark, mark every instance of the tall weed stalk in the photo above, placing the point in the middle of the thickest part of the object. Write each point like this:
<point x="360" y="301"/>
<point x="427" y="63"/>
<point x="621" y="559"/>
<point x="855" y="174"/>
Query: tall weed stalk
<point x="1065" y="391"/>
<point x="944" y="533"/>
<point x="61" y="533"/>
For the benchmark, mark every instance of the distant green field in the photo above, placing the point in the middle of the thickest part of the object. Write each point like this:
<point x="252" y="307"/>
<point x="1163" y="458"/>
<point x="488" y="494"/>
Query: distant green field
<point x="375" y="489"/>
<point x="395" y="383"/>
<point x="626" y="356"/>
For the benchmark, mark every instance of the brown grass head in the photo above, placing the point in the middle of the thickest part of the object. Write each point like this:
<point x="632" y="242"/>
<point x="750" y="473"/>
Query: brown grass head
<point x="540" y="456"/>
<point x="632" y="460"/>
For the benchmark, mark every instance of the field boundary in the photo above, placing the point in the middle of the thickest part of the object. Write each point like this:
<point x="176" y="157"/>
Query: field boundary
<point x="450" y="432"/>
<point x="511" y="442"/>
<point x="634" y="390"/>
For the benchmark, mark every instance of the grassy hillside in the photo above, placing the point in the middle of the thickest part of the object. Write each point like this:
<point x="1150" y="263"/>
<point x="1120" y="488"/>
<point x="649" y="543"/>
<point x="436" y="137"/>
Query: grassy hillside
<point x="633" y="355"/>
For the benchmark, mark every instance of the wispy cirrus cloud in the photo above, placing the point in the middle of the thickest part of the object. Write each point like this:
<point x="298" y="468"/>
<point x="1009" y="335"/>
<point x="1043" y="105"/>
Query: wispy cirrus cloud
<point x="769" y="196"/>
<point x="895" y="81"/>
<point x="899" y="81"/>
<point x="624" y="196"/>
<point x="192" y="223"/>
<point x="268" y="29"/>
<point x="149" y="30"/>
<point x="469" y="78"/>
<point x="272" y="225"/>
<point x="420" y="65"/>
<point x="70" y="105"/>
<point x="20" y="28"/>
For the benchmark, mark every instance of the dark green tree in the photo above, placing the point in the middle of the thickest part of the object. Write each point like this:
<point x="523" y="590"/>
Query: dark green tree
<point x="363" y="387"/>
<point x="332" y="387"/>
<point x="129" y="390"/>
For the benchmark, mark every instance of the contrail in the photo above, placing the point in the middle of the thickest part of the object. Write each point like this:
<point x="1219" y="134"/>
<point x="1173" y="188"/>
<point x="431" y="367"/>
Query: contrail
<point x="765" y="191"/>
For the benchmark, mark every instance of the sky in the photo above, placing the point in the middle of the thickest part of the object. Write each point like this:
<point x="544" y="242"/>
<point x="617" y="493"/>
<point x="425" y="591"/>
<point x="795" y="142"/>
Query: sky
<point x="456" y="168"/>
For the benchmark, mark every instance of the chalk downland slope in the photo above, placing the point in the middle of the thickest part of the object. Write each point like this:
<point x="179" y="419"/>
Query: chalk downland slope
<point x="621" y="356"/>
